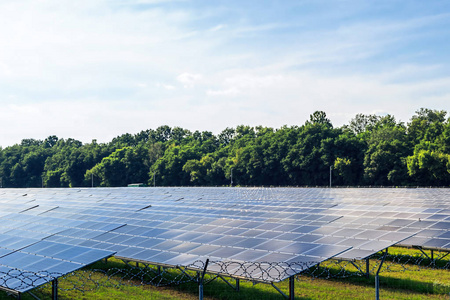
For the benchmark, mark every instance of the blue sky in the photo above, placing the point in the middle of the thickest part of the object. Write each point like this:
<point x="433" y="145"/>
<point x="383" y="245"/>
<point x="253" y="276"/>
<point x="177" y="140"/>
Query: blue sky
<point x="92" y="69"/>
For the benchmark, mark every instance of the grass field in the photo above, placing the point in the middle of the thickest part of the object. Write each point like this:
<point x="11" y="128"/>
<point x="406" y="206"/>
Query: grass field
<point x="398" y="281"/>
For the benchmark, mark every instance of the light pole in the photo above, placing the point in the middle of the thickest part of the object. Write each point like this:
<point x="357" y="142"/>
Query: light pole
<point x="231" y="177"/>
<point x="330" y="176"/>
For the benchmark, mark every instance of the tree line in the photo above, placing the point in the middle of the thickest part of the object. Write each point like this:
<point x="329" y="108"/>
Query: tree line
<point x="370" y="150"/>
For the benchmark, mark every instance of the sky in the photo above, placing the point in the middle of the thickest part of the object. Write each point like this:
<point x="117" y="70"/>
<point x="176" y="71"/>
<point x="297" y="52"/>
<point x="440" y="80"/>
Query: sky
<point x="96" y="69"/>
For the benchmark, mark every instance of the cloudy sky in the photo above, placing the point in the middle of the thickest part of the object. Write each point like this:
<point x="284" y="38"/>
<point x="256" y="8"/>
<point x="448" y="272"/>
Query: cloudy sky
<point x="95" y="69"/>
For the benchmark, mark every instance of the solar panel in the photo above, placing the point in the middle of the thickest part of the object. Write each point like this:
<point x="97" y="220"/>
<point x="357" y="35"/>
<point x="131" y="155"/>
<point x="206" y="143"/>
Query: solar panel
<point x="175" y="225"/>
<point x="43" y="262"/>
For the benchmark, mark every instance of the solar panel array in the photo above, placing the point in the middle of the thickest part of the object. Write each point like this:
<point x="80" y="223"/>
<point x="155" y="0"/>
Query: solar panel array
<point x="179" y="226"/>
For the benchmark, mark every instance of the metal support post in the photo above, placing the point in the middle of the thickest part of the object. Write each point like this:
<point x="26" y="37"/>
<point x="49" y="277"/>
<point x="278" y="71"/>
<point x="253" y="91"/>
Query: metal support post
<point x="358" y="268"/>
<point x="187" y="274"/>
<point x="377" y="287"/>
<point x="55" y="289"/>
<point x="367" y="267"/>
<point x="421" y="250"/>
<point x="238" y="286"/>
<point x="279" y="291"/>
<point x="200" y="291"/>
<point x="291" y="288"/>
<point x="211" y="280"/>
<point x="128" y="263"/>
<point x="442" y="257"/>
<point x="377" y="277"/>
<point x="200" y="281"/>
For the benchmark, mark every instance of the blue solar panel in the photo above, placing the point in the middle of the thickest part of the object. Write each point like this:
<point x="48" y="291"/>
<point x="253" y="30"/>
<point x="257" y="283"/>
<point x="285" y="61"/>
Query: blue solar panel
<point x="42" y="262"/>
<point x="283" y="223"/>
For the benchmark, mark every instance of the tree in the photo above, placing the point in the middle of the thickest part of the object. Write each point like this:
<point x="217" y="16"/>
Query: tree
<point x="343" y="167"/>
<point x="226" y="136"/>
<point x="426" y="125"/>
<point x="309" y="160"/>
<point x="371" y="150"/>
<point x="361" y="123"/>
<point x="429" y="168"/>
<point x="348" y="153"/>
<point x="121" y="167"/>
<point x="50" y="141"/>
<point x="169" y="167"/>
<point x="179" y="134"/>
<point x="385" y="158"/>
<point x="319" y="117"/>
<point x="163" y="133"/>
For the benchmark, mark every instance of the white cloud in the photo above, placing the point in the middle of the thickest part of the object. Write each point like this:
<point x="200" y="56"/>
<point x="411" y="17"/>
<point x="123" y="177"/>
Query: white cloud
<point x="26" y="110"/>
<point x="217" y="28"/>
<point x="166" y="86"/>
<point x="232" y="91"/>
<point x="189" y="80"/>
<point x="289" y="98"/>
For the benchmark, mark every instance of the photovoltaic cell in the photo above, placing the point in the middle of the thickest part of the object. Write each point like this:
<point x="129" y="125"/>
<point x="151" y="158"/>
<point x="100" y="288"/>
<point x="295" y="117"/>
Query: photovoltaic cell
<point x="27" y="261"/>
<point x="284" y="223"/>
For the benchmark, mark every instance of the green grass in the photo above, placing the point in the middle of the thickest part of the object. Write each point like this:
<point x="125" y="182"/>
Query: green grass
<point x="414" y="282"/>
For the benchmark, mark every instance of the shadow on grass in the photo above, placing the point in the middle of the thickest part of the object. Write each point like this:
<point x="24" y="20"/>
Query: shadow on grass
<point x="405" y="284"/>
<point x="185" y="288"/>
<point x="351" y="275"/>
<point x="214" y="288"/>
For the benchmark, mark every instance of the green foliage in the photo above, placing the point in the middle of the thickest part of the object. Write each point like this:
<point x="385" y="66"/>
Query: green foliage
<point x="319" y="117"/>
<point x="371" y="150"/>
<point x="363" y="123"/>
<point x="120" y="168"/>
<point x="384" y="159"/>
<point x="427" y="167"/>
<point x="343" y="167"/>
<point x="426" y="125"/>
